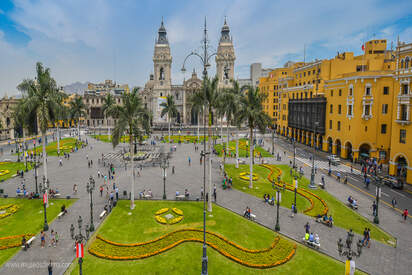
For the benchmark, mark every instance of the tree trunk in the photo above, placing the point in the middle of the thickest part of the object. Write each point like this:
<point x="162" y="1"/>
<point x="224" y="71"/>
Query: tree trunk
<point x="221" y="129"/>
<point x="108" y="129"/>
<point x="78" y="128"/>
<point x="169" y="133"/>
<point x="227" y="141"/>
<point x="237" y="147"/>
<point x="209" y="205"/>
<point x="43" y="141"/>
<point x="132" y="174"/>
<point x="251" y="159"/>
<point x="198" y="128"/>
<point x="58" y="139"/>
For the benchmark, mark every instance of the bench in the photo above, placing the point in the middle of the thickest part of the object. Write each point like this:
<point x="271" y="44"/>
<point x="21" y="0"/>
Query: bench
<point x="180" y="197"/>
<point x="29" y="242"/>
<point x="57" y="195"/>
<point x="320" y="220"/>
<point x="102" y="214"/>
<point x="355" y="207"/>
<point x="61" y="214"/>
<point x="252" y="217"/>
<point x="312" y="244"/>
<point x="19" y="194"/>
<point x="321" y="185"/>
<point x="242" y="161"/>
<point x="148" y="196"/>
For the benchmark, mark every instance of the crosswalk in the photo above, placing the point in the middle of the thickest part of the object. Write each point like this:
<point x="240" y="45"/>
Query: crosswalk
<point x="118" y="156"/>
<point x="322" y="164"/>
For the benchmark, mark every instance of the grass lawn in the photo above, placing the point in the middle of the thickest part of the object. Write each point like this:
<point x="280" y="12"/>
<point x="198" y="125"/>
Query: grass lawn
<point x="107" y="138"/>
<point x="66" y="145"/>
<point x="243" y="149"/>
<point x="343" y="216"/>
<point x="185" y="138"/>
<point x="186" y="258"/>
<point x="29" y="218"/>
<point x="9" y="169"/>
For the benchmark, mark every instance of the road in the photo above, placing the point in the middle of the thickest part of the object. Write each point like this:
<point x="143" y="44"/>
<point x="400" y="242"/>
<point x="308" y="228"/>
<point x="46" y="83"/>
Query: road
<point x="355" y="178"/>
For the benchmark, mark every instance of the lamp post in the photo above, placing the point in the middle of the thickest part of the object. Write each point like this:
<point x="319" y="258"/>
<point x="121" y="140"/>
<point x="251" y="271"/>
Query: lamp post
<point x="35" y="165"/>
<point x="312" y="175"/>
<point x="46" y="226"/>
<point x="164" y="165"/>
<point x="278" y="198"/>
<point x="296" y="189"/>
<point x="294" y="153"/>
<point x="378" y="182"/>
<point x="204" y="58"/>
<point x="79" y="239"/>
<point x="346" y="250"/>
<point x="273" y="141"/>
<point x="90" y="187"/>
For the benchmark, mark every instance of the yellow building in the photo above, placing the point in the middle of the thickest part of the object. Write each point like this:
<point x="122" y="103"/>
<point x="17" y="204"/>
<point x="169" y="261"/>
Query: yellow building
<point x="362" y="104"/>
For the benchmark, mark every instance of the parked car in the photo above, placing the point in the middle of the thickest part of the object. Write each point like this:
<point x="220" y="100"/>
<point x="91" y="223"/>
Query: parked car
<point x="334" y="159"/>
<point x="393" y="182"/>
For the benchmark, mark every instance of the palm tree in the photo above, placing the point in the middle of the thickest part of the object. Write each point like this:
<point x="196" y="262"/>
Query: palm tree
<point x="207" y="98"/>
<point x="231" y="100"/>
<point x="108" y="102"/>
<point x="133" y="118"/>
<point x="169" y="108"/>
<point x="77" y="110"/>
<point x="62" y="114"/>
<point x="41" y="98"/>
<point x="251" y="111"/>
<point x="21" y="120"/>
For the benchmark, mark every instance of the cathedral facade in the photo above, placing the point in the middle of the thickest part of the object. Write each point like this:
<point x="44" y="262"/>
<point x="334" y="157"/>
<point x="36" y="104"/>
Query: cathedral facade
<point x="160" y="84"/>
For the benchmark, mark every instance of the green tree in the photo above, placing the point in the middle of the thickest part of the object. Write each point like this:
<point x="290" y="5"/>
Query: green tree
<point x="251" y="112"/>
<point x="62" y="114"/>
<point x="169" y="108"/>
<point x="108" y="102"/>
<point x="41" y="97"/>
<point x="207" y="98"/>
<point x="21" y="120"/>
<point x="77" y="110"/>
<point x="133" y="118"/>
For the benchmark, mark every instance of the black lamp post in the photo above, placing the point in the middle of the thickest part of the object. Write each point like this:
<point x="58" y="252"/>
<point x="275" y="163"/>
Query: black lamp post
<point x="46" y="226"/>
<point x="278" y="198"/>
<point x="312" y="176"/>
<point x="295" y="209"/>
<point x="164" y="165"/>
<point x="35" y="165"/>
<point x="346" y="250"/>
<point x="273" y="141"/>
<point x="378" y="182"/>
<point x="294" y="153"/>
<point x="90" y="187"/>
<point x="79" y="239"/>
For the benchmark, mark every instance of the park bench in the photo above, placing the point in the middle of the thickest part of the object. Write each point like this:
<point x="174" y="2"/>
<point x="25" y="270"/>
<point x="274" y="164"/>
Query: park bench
<point x="312" y="244"/>
<point x="61" y="214"/>
<point x="321" y="185"/>
<point x="180" y="197"/>
<point x="242" y="161"/>
<point x="320" y="220"/>
<point x="19" y="194"/>
<point x="252" y="217"/>
<point x="29" y="242"/>
<point x="148" y="196"/>
<point x="355" y="207"/>
<point x="57" y="195"/>
<point x="103" y="214"/>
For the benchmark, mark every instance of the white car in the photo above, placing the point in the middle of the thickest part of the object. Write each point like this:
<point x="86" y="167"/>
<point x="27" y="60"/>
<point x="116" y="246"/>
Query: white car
<point x="334" y="159"/>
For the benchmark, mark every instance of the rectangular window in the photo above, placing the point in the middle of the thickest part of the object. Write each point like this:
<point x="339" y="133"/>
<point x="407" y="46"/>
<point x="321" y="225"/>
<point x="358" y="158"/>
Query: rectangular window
<point x="384" y="108"/>
<point x="402" y="136"/>
<point x="385" y="90"/>
<point x="339" y="109"/>
<point x="368" y="91"/>
<point x="331" y="92"/>
<point x="351" y="91"/>
<point x="338" y="125"/>
<point x="383" y="129"/>
<point x="405" y="89"/>
<point x="403" y="112"/>
<point x="330" y="124"/>
<point x="331" y="109"/>
<point x="367" y="110"/>
<point x="349" y="110"/>
<point x="340" y="92"/>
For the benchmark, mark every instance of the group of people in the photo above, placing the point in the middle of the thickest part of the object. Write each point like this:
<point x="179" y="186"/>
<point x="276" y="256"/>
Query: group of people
<point x="247" y="212"/>
<point x="227" y="182"/>
<point x="325" y="219"/>
<point x="352" y="201"/>
<point x="310" y="236"/>
<point x="267" y="199"/>
<point x="54" y="239"/>
<point x="366" y="237"/>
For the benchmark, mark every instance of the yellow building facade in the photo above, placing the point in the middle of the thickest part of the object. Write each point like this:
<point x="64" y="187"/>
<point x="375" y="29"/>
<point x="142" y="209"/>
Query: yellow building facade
<point x="361" y="102"/>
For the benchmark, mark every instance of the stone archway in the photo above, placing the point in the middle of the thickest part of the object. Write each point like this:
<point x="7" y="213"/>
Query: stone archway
<point x="338" y="147"/>
<point x="330" y="145"/>
<point x="348" y="147"/>
<point x="320" y="142"/>
<point x="364" y="150"/>
<point x="401" y="165"/>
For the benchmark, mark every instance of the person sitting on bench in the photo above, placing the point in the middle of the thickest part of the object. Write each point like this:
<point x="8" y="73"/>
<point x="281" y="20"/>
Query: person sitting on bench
<point x="350" y="199"/>
<point x="316" y="239"/>
<point x="325" y="218"/>
<point x="311" y="238"/>
<point x="354" y="203"/>
<point x="306" y="236"/>
<point x="330" y="221"/>
<point x="247" y="212"/>
<point x="272" y="201"/>
<point x="63" y="209"/>
<point x="24" y="243"/>
<point x="319" y="218"/>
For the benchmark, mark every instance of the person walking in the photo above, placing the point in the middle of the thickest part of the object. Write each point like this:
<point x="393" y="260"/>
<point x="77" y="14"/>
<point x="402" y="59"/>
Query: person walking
<point x="42" y="239"/>
<point x="394" y="202"/>
<point x="190" y="161"/>
<point x="405" y="214"/>
<point x="293" y="210"/>
<point x="173" y="170"/>
<point x="60" y="162"/>
<point x="307" y="227"/>
<point x="214" y="194"/>
<point x="374" y="208"/>
<point x="50" y="268"/>
<point x="101" y="190"/>
<point x="117" y="193"/>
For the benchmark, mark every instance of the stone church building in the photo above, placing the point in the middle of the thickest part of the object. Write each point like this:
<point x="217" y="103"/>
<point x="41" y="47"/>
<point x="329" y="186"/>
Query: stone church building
<point x="160" y="84"/>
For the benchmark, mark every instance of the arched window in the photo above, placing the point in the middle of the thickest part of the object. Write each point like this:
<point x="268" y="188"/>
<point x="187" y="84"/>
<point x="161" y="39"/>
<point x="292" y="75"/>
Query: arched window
<point x="402" y="64"/>
<point x="407" y="62"/>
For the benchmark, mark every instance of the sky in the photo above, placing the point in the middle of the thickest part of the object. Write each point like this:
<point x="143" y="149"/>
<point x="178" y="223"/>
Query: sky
<point x="114" y="39"/>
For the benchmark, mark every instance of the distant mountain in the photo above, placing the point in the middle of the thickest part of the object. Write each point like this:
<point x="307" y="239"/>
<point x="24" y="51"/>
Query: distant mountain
<point x="76" y="87"/>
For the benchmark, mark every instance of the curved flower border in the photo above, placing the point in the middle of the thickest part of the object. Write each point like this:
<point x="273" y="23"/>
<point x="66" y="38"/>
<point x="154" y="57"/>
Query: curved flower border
<point x="11" y="243"/>
<point x="11" y="209"/>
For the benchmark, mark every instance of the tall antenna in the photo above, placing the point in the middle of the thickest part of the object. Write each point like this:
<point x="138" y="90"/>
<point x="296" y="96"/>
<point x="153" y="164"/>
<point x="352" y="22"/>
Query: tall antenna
<point x="304" y="54"/>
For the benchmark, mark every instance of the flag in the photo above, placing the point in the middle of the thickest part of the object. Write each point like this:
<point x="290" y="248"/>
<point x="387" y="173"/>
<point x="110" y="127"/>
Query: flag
<point x="363" y="47"/>
<point x="79" y="250"/>
<point x="45" y="199"/>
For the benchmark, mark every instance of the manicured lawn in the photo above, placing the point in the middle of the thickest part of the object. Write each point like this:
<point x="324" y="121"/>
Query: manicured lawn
<point x="343" y="216"/>
<point x="185" y="138"/>
<point x="66" y="145"/>
<point x="9" y="169"/>
<point x="186" y="258"/>
<point x="243" y="149"/>
<point x="29" y="219"/>
<point x="107" y="138"/>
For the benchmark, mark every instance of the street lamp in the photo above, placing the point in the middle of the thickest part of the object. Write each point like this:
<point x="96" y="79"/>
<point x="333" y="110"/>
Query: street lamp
<point x="79" y="239"/>
<point x="278" y="198"/>
<point x="346" y="250"/>
<point x="35" y="165"/>
<point x="90" y="187"/>
<point x="312" y="176"/>
<point x="294" y="153"/>
<point x="295" y="209"/>
<point x="46" y="226"/>
<point x="378" y="182"/>
<point x="204" y="58"/>
<point x="164" y="165"/>
<point x="273" y="141"/>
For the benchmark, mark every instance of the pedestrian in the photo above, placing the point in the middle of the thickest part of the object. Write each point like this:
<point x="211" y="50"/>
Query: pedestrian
<point x="173" y="170"/>
<point x="50" y="268"/>
<point x="52" y="240"/>
<point x="338" y="176"/>
<point x="60" y="162"/>
<point x="98" y="173"/>
<point x="293" y="210"/>
<point x="368" y="240"/>
<point x="351" y="169"/>
<point x="365" y="236"/>
<point x="101" y="190"/>
<point x="117" y="194"/>
<point x="307" y="227"/>
<point x="75" y="188"/>
<point x="56" y="238"/>
<point x="42" y="239"/>
<point x="405" y="214"/>
<point x="214" y="195"/>
<point x="394" y="202"/>
<point x="374" y="208"/>
<point x="190" y="161"/>
<point x="201" y="193"/>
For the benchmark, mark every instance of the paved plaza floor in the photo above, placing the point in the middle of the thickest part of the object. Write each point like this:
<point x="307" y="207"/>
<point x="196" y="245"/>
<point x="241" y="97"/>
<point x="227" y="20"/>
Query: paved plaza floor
<point x="379" y="259"/>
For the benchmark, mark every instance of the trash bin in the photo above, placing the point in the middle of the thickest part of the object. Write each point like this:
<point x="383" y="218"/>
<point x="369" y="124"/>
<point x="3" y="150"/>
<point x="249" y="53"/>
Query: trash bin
<point x="1" y="191"/>
<point x="124" y="193"/>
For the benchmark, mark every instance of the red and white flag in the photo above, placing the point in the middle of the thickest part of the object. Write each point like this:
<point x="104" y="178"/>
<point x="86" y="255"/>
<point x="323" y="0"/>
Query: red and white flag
<point x="79" y="250"/>
<point x="45" y="198"/>
<point x="363" y="47"/>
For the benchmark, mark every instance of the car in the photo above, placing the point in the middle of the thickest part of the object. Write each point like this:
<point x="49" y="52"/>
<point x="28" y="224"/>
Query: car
<point x="335" y="160"/>
<point x="393" y="182"/>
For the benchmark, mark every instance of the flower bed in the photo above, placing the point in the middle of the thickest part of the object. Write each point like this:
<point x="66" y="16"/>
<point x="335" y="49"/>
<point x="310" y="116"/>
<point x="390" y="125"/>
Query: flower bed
<point x="246" y="176"/>
<point x="165" y="216"/>
<point x="4" y="172"/>
<point x="7" y="210"/>
<point x="279" y="252"/>
<point x="13" y="241"/>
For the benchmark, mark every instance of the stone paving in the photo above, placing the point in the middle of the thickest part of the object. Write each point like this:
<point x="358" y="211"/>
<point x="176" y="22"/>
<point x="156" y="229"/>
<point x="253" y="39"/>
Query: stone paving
<point x="379" y="259"/>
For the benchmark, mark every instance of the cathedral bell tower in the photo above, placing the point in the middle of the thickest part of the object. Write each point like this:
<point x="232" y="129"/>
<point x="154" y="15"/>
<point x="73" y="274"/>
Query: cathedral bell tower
<point x="225" y="58"/>
<point x="162" y="61"/>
